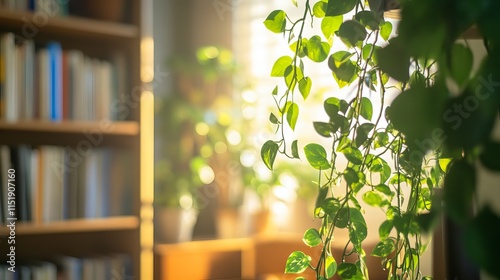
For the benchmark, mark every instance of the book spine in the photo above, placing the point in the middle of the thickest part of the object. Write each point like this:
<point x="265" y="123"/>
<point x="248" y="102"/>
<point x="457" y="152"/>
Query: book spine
<point x="55" y="80"/>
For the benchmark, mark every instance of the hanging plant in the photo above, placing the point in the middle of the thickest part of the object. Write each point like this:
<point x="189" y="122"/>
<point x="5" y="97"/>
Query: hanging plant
<point x="393" y="156"/>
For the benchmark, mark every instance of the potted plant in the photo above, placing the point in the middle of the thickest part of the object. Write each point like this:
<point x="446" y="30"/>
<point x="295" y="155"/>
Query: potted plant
<point x="193" y="132"/>
<point x="418" y="119"/>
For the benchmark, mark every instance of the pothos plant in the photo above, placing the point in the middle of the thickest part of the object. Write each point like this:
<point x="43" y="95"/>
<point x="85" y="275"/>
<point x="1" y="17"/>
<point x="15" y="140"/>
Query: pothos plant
<point x="435" y="133"/>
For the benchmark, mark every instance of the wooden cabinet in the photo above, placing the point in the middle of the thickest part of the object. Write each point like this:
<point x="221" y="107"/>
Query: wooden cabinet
<point x="130" y="131"/>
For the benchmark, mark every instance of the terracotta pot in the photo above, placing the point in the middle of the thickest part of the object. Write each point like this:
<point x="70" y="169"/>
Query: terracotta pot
<point x="173" y="225"/>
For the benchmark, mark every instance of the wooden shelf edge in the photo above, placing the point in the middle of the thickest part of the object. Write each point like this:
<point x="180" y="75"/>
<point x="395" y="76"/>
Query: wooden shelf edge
<point x="123" y="128"/>
<point x="74" y="226"/>
<point x="68" y="24"/>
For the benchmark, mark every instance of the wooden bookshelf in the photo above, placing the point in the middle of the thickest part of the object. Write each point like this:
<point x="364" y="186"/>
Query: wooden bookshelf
<point x="116" y="134"/>
<point x="70" y="26"/>
<point x="77" y="225"/>
<point x="132" y="233"/>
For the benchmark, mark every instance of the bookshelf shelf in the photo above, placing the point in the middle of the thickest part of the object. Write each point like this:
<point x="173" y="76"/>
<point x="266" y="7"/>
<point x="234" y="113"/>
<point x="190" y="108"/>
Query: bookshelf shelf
<point x="103" y="133"/>
<point x="124" y="128"/>
<point x="67" y="26"/>
<point x="77" y="225"/>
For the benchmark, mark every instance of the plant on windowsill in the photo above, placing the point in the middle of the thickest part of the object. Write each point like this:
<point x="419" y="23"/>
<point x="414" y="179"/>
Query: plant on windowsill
<point x="193" y="132"/>
<point x="437" y="130"/>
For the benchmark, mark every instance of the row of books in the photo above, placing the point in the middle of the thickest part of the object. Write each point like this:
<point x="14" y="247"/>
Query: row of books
<point x="49" y="83"/>
<point x="50" y="7"/>
<point x="59" y="183"/>
<point x="116" y="267"/>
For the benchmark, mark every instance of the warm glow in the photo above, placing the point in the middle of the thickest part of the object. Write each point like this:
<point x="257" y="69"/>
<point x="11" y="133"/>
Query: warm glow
<point x="206" y="174"/>
<point x="202" y="128"/>
<point x="284" y="193"/>
<point x="224" y="119"/>
<point x="147" y="147"/>
<point x="220" y="147"/>
<point x="206" y="151"/>
<point x="249" y="96"/>
<point x="147" y="60"/>
<point x="247" y="158"/>
<point x="233" y="137"/>
<point x="186" y="202"/>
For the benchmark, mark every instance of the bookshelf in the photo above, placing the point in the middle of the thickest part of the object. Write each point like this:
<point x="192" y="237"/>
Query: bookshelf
<point x="129" y="232"/>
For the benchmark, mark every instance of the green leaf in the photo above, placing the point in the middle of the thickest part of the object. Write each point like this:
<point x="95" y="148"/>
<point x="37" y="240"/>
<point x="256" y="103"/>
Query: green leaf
<point x="358" y="230"/>
<point x="491" y="155"/>
<point x="347" y="270"/>
<point x="427" y="221"/>
<point x="383" y="188"/>
<point x="330" y="267"/>
<point x="384" y="248"/>
<point x="366" y="108"/>
<point x="459" y="187"/>
<point x="319" y="9"/>
<point x="344" y="143"/>
<point x="460" y="63"/>
<point x="305" y="87"/>
<point x="324" y="129"/>
<point x="331" y="206"/>
<point x="368" y="19"/>
<point x="367" y="49"/>
<point x="378" y="164"/>
<point x="350" y="176"/>
<point x="292" y="115"/>
<point x="275" y="91"/>
<point x="385" y="30"/>
<point x="295" y="149"/>
<point x="417" y="113"/>
<point x="276" y="21"/>
<point x="268" y="153"/>
<point x="482" y="242"/>
<point x="353" y="155"/>
<point x="293" y="74"/>
<point x="339" y="58"/>
<point x="300" y="278"/>
<point x="342" y="218"/>
<point x="316" y="156"/>
<point x="351" y="32"/>
<point x="394" y="60"/>
<point x="337" y="8"/>
<point x="372" y="198"/>
<point x="343" y="69"/>
<point x="329" y="25"/>
<point x="312" y="237"/>
<point x="297" y="262"/>
<point x="385" y="229"/>
<point x="345" y="74"/>
<point x="273" y="119"/>
<point x="280" y="66"/>
<point x="320" y="199"/>
<point x="317" y="50"/>
<point x="381" y="139"/>
<point x="362" y="133"/>
<point x="295" y="3"/>
<point x="332" y="106"/>
<point x="301" y="51"/>
<point x="468" y="119"/>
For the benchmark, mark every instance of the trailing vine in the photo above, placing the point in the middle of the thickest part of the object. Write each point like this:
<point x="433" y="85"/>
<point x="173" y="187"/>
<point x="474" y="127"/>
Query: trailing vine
<point x="393" y="157"/>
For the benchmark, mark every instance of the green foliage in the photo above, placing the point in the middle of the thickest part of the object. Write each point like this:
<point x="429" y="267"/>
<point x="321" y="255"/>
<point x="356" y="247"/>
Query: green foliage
<point x="439" y="126"/>
<point x="297" y="262"/>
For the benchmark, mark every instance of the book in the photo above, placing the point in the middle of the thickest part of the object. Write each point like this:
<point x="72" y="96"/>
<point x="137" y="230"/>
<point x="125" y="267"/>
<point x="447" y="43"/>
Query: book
<point x="55" y="80"/>
<point x="9" y="94"/>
